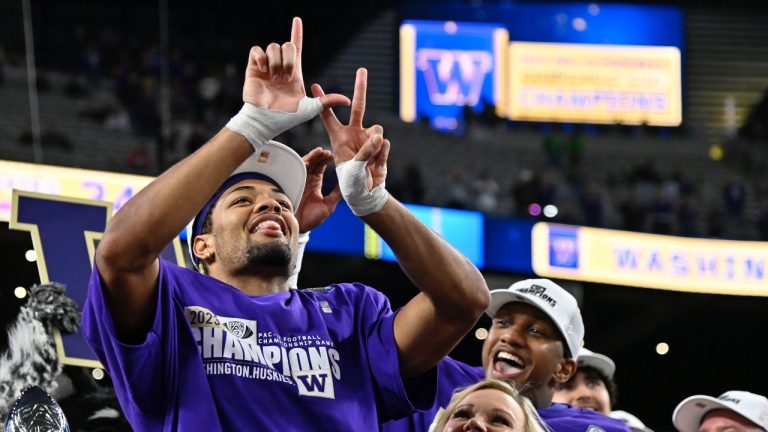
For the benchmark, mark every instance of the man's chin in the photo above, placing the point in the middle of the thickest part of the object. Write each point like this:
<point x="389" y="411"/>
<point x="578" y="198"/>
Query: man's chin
<point x="275" y="255"/>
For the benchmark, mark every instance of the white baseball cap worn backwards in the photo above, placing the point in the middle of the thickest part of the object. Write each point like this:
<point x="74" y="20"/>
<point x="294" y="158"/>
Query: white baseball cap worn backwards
<point x="558" y="304"/>
<point x="601" y="362"/>
<point x="634" y="423"/>
<point x="689" y="413"/>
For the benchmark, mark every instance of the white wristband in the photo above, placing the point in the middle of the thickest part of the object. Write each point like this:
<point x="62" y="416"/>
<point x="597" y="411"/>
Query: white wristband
<point x="353" y="177"/>
<point x="259" y="125"/>
<point x="293" y="281"/>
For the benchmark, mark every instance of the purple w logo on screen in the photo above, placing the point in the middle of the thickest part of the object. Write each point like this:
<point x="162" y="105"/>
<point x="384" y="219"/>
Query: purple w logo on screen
<point x="454" y="77"/>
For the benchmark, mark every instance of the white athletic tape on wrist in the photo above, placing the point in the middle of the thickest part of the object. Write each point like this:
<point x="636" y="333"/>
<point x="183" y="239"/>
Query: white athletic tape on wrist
<point x="259" y="125"/>
<point x="293" y="280"/>
<point x="353" y="177"/>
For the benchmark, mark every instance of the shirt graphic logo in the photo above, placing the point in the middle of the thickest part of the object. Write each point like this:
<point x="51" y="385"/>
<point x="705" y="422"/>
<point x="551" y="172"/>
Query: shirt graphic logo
<point x="242" y="329"/>
<point x="239" y="329"/>
<point x="241" y="347"/>
<point x="317" y="383"/>
<point x="594" y="428"/>
<point x="454" y="77"/>
<point x="325" y="306"/>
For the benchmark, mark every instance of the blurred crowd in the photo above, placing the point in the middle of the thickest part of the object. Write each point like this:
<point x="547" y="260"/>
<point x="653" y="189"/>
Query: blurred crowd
<point x="631" y="194"/>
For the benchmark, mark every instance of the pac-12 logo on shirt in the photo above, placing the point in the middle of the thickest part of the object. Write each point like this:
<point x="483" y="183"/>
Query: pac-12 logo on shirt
<point x="594" y="428"/>
<point x="240" y="328"/>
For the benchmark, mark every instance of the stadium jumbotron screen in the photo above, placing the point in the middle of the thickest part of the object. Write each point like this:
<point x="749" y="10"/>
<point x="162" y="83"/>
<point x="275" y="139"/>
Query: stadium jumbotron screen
<point x="580" y="83"/>
<point x="570" y="63"/>
<point x="445" y="66"/>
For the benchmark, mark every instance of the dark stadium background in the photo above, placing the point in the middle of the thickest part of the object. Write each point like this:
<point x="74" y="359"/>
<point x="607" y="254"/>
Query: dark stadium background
<point x="717" y="343"/>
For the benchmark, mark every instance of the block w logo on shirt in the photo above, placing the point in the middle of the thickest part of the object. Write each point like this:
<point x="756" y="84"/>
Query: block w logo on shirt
<point x="317" y="383"/>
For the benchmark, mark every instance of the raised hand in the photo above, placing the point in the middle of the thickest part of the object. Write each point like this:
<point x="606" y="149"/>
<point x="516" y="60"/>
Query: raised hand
<point x="273" y="77"/>
<point x="353" y="141"/>
<point x="315" y="207"/>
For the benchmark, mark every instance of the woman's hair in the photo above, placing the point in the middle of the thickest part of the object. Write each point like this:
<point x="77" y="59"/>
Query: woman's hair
<point x="533" y="422"/>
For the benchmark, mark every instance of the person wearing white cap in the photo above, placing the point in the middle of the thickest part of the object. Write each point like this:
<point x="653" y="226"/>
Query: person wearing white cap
<point x="592" y="386"/>
<point x="633" y="422"/>
<point x="232" y="348"/>
<point x="732" y="411"/>
<point x="533" y="342"/>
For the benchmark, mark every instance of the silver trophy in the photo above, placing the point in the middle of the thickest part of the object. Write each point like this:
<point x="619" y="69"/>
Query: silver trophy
<point x="36" y="411"/>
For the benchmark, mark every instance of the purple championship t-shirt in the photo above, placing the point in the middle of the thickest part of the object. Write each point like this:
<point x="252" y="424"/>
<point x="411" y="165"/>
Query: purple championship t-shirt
<point x="565" y="418"/>
<point x="217" y="359"/>
<point x="453" y="374"/>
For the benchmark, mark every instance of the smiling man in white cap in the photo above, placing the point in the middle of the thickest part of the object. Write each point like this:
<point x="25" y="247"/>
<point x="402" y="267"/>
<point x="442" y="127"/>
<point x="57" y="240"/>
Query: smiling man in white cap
<point x="732" y="411"/>
<point x="533" y="342"/>
<point x="236" y="348"/>
<point x="535" y="336"/>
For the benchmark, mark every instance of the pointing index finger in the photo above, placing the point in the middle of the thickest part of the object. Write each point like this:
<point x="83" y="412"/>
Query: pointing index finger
<point x="297" y="37"/>
<point x="358" y="98"/>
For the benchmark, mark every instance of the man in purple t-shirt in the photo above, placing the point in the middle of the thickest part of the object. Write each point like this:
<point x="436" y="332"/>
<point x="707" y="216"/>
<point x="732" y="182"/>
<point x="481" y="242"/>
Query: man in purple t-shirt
<point x="233" y="347"/>
<point x="533" y="341"/>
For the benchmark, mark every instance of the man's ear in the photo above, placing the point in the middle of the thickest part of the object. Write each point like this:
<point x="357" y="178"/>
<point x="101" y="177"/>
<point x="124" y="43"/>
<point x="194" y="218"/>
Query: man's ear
<point x="565" y="370"/>
<point x="201" y="248"/>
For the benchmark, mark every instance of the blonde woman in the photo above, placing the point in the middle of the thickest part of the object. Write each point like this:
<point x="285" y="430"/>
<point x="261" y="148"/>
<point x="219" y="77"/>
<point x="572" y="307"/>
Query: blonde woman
<point x="490" y="405"/>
